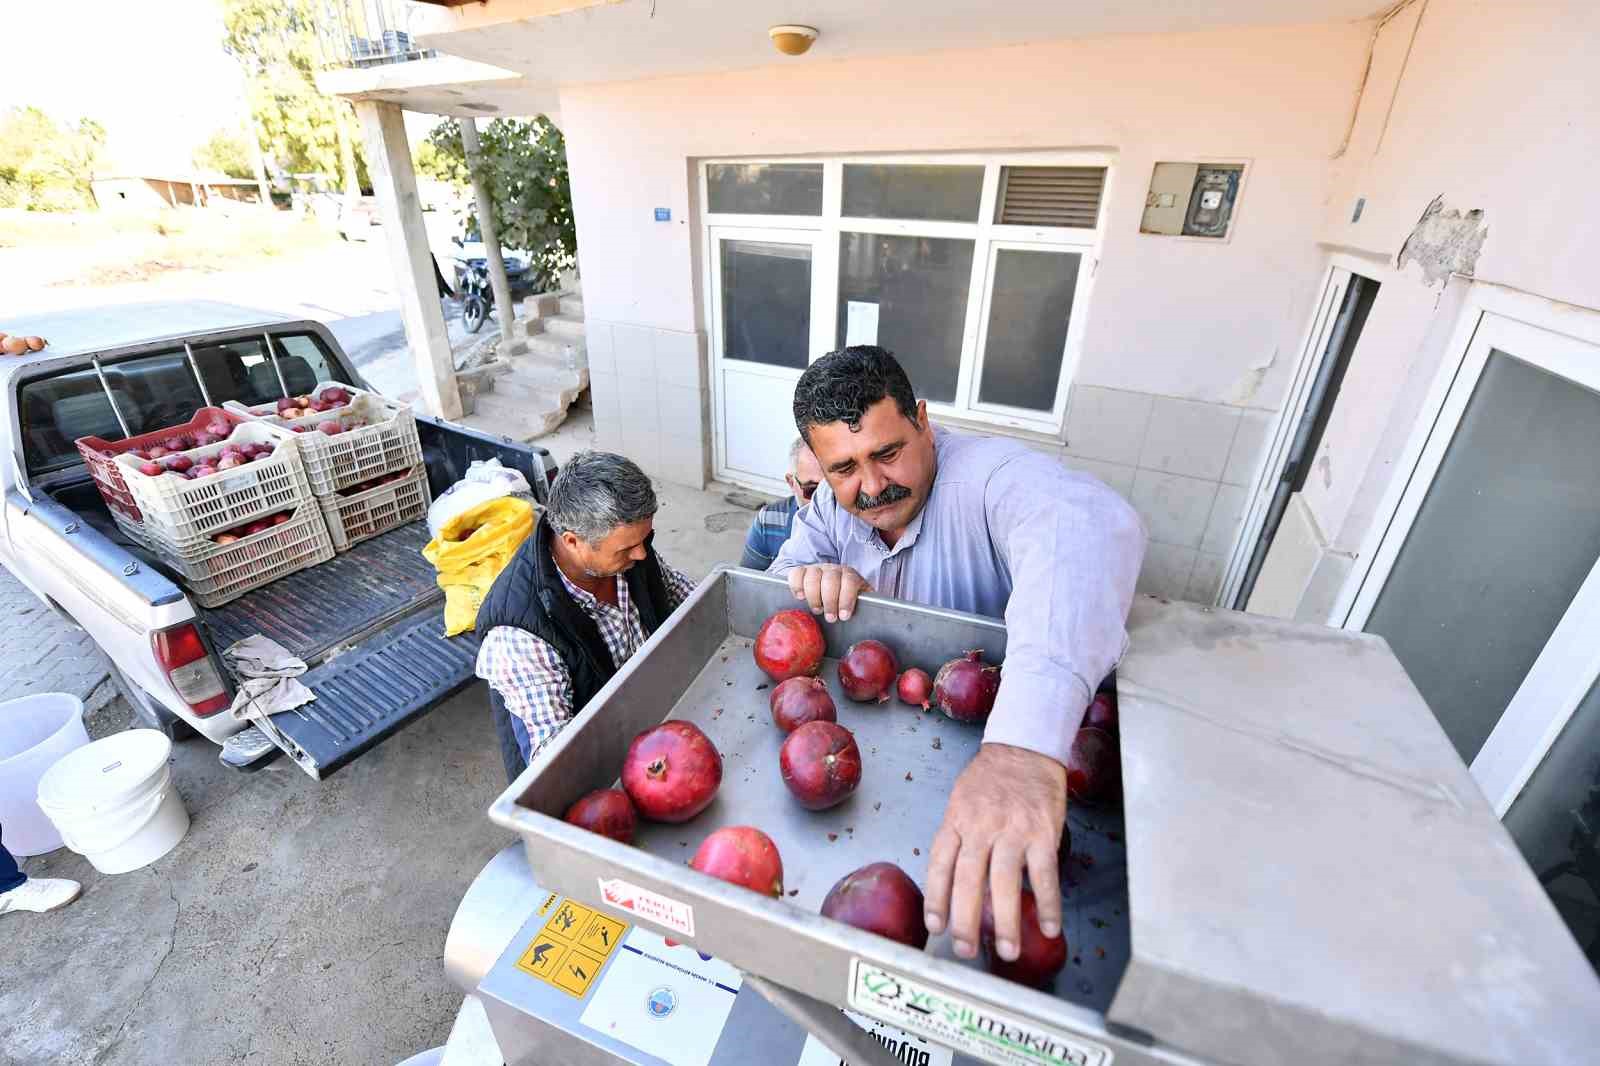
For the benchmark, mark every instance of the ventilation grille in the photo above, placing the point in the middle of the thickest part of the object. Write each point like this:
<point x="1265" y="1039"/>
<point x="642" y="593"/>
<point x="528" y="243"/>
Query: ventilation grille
<point x="1050" y="196"/>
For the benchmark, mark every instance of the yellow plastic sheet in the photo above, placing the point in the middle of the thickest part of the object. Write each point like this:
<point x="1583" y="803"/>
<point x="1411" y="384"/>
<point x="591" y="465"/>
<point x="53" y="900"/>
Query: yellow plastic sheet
<point x="471" y="550"/>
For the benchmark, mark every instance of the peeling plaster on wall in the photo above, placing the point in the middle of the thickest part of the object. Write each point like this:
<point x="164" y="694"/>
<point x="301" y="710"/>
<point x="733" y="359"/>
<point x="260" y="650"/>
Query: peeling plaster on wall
<point x="1325" y="468"/>
<point x="1444" y="242"/>
<point x="1249" y="383"/>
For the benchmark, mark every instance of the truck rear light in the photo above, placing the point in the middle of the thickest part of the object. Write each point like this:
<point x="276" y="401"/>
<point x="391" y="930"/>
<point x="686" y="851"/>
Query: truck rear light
<point x="183" y="655"/>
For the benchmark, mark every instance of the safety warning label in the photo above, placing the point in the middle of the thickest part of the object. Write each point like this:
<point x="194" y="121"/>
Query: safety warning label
<point x="572" y="947"/>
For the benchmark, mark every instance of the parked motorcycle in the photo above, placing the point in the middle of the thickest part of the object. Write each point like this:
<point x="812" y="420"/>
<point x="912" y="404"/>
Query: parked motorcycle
<point x="477" y="297"/>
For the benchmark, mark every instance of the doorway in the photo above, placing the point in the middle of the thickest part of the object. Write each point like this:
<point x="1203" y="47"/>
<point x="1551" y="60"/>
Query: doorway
<point x="1341" y="314"/>
<point x="1486" y="584"/>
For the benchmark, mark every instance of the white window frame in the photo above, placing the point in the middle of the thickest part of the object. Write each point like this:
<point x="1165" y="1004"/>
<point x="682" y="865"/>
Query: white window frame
<point x="1538" y="332"/>
<point x="987" y="236"/>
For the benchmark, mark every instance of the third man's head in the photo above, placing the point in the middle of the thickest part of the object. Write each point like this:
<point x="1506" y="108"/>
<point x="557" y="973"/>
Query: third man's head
<point x="872" y="437"/>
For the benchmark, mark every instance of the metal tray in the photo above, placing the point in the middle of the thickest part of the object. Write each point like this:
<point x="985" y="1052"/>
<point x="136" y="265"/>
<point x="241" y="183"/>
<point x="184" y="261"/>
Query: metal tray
<point x="699" y="668"/>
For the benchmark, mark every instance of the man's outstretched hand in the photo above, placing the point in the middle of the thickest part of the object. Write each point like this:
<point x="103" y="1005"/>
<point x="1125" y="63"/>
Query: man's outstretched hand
<point x="828" y="589"/>
<point x="1005" y="815"/>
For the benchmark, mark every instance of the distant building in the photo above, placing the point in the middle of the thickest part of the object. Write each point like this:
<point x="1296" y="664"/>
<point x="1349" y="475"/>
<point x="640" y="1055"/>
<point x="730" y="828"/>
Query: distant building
<point x="195" y="190"/>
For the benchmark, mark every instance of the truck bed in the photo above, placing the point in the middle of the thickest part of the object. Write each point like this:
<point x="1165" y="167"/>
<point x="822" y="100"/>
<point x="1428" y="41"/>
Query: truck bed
<point x="315" y="611"/>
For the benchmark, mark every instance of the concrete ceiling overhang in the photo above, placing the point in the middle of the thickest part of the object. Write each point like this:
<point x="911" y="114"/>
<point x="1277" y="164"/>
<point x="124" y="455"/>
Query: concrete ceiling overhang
<point x="571" y="42"/>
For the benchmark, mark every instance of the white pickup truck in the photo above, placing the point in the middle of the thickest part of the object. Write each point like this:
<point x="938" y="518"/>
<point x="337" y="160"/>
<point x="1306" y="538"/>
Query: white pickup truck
<point x="368" y="623"/>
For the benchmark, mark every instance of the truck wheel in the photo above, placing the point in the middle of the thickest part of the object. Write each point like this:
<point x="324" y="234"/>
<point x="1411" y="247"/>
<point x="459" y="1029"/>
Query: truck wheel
<point x="147" y="712"/>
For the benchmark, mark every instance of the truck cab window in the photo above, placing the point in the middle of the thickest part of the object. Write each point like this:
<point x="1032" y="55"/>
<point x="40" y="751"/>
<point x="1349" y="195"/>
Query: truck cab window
<point x="159" y="390"/>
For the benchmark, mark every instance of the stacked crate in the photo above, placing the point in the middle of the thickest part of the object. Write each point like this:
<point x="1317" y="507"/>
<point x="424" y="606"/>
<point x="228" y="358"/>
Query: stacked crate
<point x="368" y="478"/>
<point x="224" y="533"/>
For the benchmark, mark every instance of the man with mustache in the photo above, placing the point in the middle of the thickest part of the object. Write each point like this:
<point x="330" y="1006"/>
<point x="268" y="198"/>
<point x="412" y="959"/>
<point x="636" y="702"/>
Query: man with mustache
<point x="986" y="525"/>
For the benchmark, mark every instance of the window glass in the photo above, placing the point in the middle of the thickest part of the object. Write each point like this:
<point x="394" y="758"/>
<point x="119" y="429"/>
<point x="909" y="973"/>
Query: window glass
<point x="156" y="391"/>
<point x="1508" y="531"/>
<point x="765" y="188"/>
<point x="1029" y="310"/>
<point x="910" y="296"/>
<point x="948" y="194"/>
<point x="766" y="302"/>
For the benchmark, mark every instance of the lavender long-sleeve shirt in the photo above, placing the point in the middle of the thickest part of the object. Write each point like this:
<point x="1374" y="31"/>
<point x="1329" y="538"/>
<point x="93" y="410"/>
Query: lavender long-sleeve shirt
<point x="1005" y="532"/>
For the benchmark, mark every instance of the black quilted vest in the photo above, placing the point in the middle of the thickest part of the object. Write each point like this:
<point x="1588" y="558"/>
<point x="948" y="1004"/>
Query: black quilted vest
<point x="529" y="595"/>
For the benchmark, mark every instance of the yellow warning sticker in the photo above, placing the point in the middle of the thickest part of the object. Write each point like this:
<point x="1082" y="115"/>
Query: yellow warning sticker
<point x="572" y="947"/>
<point x="569" y="921"/>
<point x="577" y="971"/>
<point x="542" y="957"/>
<point x="601" y="935"/>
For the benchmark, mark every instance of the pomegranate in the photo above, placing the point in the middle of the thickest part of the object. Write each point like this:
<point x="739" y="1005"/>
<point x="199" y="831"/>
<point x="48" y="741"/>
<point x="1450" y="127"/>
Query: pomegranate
<point x="335" y="395"/>
<point x="915" y="687"/>
<point x="1094" y="767"/>
<point x="157" y="452"/>
<point x="151" y="469"/>
<point x="1039" y="957"/>
<point x="742" y="855"/>
<point x="1102" y="712"/>
<point x="789" y="645"/>
<point x="672" y="772"/>
<point x="330" y="427"/>
<point x="881" y="899"/>
<point x="177" y="463"/>
<point x="203" y="470"/>
<point x="219" y="427"/>
<point x="800" y="700"/>
<point x="965" y="688"/>
<point x="225" y="538"/>
<point x="281" y="518"/>
<point x="176" y="444"/>
<point x="229" y="461"/>
<point x="868" y="670"/>
<point x="821" y="764"/>
<point x="607" y="811"/>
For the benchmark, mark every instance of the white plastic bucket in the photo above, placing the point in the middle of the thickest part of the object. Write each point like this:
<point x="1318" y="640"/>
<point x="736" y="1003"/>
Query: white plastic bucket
<point x="35" y="731"/>
<point x="114" y="802"/>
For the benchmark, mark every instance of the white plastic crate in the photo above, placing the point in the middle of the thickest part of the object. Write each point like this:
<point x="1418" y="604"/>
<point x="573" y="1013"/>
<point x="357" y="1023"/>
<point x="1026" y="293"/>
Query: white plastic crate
<point x="227" y="571"/>
<point x="182" y="514"/>
<point x="363" y="515"/>
<point x="386" y="442"/>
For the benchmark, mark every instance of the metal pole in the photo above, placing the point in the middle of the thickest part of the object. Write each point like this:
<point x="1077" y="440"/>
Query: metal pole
<point x="486" y="228"/>
<point x="276" y="369"/>
<point x="194" y="365"/>
<point x="112" y="400"/>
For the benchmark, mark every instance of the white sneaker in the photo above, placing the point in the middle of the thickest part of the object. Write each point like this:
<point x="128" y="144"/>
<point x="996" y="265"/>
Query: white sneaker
<point x="39" y="894"/>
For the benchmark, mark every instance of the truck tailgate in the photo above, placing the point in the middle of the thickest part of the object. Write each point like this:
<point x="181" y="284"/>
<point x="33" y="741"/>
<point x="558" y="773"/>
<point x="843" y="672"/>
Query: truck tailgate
<point x="371" y="691"/>
<point x="370" y="623"/>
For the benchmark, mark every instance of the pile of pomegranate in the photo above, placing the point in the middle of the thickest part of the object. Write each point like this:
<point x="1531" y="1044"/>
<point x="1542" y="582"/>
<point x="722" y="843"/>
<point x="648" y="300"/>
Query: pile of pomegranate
<point x="672" y="772"/>
<point x="250" y="529"/>
<point x="374" y="482"/>
<point x="304" y="406"/>
<point x="172" y="455"/>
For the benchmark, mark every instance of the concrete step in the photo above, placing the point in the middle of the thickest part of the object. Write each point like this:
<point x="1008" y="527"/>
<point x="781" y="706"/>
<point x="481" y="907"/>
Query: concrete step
<point x="572" y="305"/>
<point x="527" y="328"/>
<point x="564" y="326"/>
<point x="518" y="427"/>
<point x="544" y="390"/>
<point x="512" y="346"/>
<point x="571" y="351"/>
<point x="540" y="305"/>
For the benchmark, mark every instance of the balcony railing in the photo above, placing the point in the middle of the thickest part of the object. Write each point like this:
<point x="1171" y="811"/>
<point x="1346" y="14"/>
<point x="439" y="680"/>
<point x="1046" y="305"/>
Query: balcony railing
<point x="367" y="33"/>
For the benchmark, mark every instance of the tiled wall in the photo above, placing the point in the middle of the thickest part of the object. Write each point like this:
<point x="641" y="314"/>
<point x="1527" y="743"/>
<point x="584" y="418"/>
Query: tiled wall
<point x="648" y="388"/>
<point x="1185" y="466"/>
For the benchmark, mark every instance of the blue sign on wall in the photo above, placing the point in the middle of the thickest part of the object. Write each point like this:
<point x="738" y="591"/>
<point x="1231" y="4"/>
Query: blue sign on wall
<point x="663" y="214"/>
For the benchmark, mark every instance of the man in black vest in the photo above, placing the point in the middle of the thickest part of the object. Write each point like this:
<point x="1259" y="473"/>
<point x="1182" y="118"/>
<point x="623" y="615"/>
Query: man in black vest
<point x="576" y="601"/>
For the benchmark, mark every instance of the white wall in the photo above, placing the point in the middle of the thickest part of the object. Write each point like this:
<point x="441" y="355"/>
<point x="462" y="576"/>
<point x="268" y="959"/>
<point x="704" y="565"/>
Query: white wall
<point x="1492" y="107"/>
<point x="1189" y="344"/>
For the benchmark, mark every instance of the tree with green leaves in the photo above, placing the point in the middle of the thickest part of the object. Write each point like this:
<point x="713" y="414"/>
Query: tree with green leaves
<point x="47" y="165"/>
<point x="225" y="152"/>
<point x="304" y="130"/>
<point x="525" y="166"/>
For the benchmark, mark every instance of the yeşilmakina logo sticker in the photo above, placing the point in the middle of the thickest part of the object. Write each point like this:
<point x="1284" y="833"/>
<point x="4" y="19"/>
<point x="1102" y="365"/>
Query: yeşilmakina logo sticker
<point x="661" y="1002"/>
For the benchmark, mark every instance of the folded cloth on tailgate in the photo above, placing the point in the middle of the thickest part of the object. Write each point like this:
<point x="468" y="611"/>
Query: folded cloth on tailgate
<point x="266" y="671"/>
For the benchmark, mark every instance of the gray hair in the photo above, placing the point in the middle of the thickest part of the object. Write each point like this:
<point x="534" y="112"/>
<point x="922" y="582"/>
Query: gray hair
<point x="595" y="493"/>
<point x="794" y="455"/>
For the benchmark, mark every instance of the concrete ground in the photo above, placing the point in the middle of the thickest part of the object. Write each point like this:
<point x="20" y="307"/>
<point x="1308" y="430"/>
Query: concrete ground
<point x="299" y="921"/>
